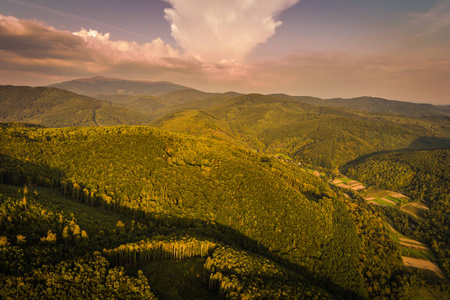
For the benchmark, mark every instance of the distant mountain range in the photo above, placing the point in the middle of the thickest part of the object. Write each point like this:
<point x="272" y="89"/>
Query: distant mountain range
<point x="106" y="86"/>
<point x="120" y="91"/>
<point x="377" y="105"/>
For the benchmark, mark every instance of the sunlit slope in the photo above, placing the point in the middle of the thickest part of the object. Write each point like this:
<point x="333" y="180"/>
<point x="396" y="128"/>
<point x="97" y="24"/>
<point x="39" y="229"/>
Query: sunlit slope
<point x="157" y="106"/>
<point x="325" y="136"/>
<point x="60" y="108"/>
<point x="377" y="105"/>
<point x="181" y="181"/>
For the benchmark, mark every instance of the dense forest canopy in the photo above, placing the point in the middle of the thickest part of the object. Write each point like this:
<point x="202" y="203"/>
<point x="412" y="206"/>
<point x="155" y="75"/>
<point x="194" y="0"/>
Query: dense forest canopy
<point x="227" y="195"/>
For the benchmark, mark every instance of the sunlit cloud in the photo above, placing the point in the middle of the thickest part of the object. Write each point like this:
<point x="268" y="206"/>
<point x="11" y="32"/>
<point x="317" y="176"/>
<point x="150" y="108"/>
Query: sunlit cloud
<point x="224" y="31"/>
<point x="36" y="53"/>
<point x="30" y="44"/>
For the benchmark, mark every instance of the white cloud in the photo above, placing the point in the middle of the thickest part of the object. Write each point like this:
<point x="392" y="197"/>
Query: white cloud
<point x="224" y="30"/>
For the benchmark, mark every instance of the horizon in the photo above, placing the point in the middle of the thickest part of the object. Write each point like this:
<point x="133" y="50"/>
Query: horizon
<point x="229" y="91"/>
<point x="316" y="48"/>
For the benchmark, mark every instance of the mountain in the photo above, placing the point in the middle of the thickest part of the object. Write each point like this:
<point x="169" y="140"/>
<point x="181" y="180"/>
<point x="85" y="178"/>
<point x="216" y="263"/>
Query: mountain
<point x="107" y="86"/>
<point x="54" y="107"/>
<point x="157" y="106"/>
<point x="164" y="205"/>
<point x="376" y="105"/>
<point x="318" y="135"/>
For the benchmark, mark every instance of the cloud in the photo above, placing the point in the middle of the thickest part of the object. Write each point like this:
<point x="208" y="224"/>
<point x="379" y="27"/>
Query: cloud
<point x="224" y="31"/>
<point x="34" y="53"/>
<point x="71" y="16"/>
<point x="38" y="54"/>
<point x="32" y="45"/>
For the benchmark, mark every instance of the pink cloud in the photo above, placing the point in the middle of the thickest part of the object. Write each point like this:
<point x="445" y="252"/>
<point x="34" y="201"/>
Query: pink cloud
<point x="32" y="52"/>
<point x="30" y="43"/>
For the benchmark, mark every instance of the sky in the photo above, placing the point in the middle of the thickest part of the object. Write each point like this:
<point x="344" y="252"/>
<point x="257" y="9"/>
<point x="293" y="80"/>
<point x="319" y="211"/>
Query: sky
<point x="398" y="50"/>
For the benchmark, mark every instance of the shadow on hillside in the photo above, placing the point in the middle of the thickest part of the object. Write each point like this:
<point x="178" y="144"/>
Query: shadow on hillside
<point x="421" y="143"/>
<point x="17" y="172"/>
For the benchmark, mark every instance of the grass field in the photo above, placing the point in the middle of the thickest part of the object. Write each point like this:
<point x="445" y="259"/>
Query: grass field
<point x="417" y="253"/>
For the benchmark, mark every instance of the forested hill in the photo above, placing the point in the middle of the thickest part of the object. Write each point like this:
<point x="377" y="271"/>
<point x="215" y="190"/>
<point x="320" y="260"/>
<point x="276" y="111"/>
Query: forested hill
<point x="263" y="226"/>
<point x="323" y="136"/>
<point x="157" y="106"/>
<point x="424" y="176"/>
<point x="377" y="105"/>
<point x="106" y="86"/>
<point x="60" y="108"/>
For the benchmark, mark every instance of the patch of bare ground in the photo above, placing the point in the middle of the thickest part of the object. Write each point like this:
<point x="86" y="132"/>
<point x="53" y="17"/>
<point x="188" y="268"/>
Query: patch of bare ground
<point x="388" y="201"/>
<point x="376" y="203"/>
<point x="409" y="241"/>
<point x="397" y="195"/>
<point x="414" y="246"/>
<point x="422" y="264"/>
<point x="358" y="187"/>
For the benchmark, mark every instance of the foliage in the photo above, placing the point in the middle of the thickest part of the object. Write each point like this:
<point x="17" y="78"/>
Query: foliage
<point x="425" y="176"/>
<point x="59" y="108"/>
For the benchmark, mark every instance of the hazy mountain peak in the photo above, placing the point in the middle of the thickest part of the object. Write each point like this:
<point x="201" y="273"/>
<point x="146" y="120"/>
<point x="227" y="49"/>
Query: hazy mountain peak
<point x="108" y="86"/>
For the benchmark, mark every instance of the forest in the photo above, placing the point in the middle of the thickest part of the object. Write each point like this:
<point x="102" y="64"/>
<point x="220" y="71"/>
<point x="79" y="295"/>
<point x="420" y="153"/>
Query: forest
<point x="176" y="196"/>
<point x="221" y="196"/>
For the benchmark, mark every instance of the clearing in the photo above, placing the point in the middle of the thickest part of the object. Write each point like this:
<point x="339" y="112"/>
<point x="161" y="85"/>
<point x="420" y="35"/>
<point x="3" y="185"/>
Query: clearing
<point x="422" y="264"/>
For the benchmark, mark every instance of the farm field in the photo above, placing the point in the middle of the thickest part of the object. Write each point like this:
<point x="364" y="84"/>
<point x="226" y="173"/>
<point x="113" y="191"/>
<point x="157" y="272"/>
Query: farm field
<point x="414" y="253"/>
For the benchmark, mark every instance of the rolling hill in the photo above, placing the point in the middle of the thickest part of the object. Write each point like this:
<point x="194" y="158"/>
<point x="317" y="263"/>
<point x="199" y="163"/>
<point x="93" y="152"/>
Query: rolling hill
<point x="323" y="136"/>
<point x="257" y="225"/>
<point x="108" y="86"/>
<point x="54" y="107"/>
<point x="377" y="105"/>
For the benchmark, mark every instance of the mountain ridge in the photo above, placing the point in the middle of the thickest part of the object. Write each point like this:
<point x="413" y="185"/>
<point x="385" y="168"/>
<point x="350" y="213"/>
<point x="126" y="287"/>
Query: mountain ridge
<point x="107" y="85"/>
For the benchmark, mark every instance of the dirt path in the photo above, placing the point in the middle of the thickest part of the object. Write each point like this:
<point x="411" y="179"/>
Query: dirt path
<point x="419" y="205"/>
<point x="408" y="212"/>
<point x="422" y="264"/>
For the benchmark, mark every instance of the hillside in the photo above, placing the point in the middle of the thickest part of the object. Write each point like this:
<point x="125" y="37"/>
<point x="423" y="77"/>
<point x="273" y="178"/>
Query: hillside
<point x="323" y="136"/>
<point x="424" y="176"/>
<point x="108" y="86"/>
<point x="245" y="214"/>
<point x="54" y="107"/>
<point x="377" y="105"/>
<point x="157" y="106"/>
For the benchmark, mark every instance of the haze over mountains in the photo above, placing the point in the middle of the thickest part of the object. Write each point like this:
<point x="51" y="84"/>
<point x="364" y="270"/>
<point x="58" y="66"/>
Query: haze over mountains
<point x="105" y="85"/>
